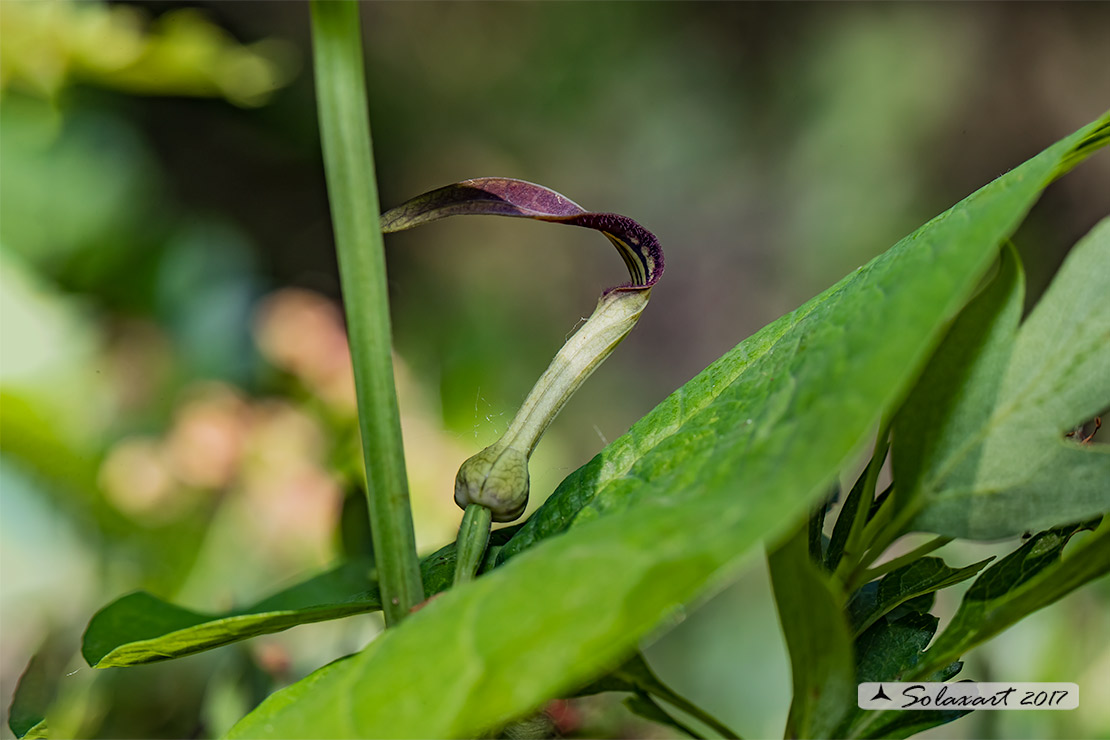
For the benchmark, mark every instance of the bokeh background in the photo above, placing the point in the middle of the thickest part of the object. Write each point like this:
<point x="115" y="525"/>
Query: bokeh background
<point x="177" y="404"/>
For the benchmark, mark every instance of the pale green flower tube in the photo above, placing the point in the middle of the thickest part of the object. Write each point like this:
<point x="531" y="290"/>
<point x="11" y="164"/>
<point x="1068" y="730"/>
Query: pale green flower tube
<point x="496" y="479"/>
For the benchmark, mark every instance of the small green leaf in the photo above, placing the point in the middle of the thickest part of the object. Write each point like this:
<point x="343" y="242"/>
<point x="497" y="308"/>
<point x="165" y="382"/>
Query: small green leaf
<point x="844" y="521"/>
<point x="918" y="605"/>
<point x="817" y="540"/>
<point x="981" y="441"/>
<point x="140" y="628"/>
<point x="817" y="637"/>
<point x="892" y="647"/>
<point x="1028" y="579"/>
<point x="887" y="651"/>
<point x="38" y="731"/>
<point x="920" y="577"/>
<point x="668" y="510"/>
<point x="35" y="692"/>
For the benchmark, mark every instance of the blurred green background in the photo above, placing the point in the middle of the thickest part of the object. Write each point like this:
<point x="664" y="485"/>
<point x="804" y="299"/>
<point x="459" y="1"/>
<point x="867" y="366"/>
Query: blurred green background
<point x="177" y="406"/>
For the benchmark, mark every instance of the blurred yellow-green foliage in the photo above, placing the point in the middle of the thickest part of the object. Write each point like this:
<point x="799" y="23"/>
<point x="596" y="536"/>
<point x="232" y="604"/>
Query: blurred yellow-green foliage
<point x="176" y="402"/>
<point x="49" y="45"/>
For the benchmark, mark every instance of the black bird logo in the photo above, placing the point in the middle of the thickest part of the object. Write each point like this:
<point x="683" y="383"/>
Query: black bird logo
<point x="880" y="695"/>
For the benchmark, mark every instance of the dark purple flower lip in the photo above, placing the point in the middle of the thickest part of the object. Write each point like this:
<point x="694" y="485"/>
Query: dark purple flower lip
<point x="503" y="196"/>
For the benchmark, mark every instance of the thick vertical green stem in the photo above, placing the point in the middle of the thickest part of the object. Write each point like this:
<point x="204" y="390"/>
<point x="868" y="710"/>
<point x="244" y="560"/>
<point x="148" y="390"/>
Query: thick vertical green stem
<point x="353" y="194"/>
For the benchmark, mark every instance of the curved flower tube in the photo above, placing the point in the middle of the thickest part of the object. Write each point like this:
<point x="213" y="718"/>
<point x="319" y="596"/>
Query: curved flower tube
<point x="497" y="477"/>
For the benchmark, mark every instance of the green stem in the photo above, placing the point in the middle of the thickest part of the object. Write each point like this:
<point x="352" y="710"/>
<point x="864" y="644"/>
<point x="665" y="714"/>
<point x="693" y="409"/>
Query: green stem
<point x="700" y="714"/>
<point x="881" y="539"/>
<point x="472" y="541"/>
<point x="853" y="547"/>
<point x="882" y="519"/>
<point x="895" y="563"/>
<point x="353" y="195"/>
<point x="639" y="674"/>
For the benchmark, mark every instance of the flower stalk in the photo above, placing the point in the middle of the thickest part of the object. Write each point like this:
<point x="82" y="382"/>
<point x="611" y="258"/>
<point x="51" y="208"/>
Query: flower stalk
<point x="472" y="541"/>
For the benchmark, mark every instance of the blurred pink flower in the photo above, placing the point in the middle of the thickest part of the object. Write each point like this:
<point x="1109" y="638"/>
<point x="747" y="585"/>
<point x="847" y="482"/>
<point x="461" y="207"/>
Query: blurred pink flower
<point x="205" y="444"/>
<point x="303" y="333"/>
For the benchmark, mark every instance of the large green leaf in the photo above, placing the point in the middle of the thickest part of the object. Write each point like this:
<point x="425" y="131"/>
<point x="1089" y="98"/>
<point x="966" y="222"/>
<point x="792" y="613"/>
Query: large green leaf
<point x="1028" y="579"/>
<point x="980" y="443"/>
<point x="817" y="637"/>
<point x="610" y="480"/>
<point x="737" y="455"/>
<point x="920" y="577"/>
